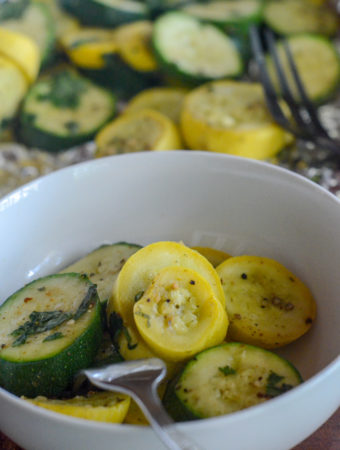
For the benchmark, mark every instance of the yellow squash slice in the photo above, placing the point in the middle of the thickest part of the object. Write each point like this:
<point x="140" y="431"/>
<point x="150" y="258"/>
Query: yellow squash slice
<point x="165" y="100"/>
<point x="143" y="266"/>
<point x="86" y="47"/>
<point x="267" y="305"/>
<point x="22" y="51"/>
<point x="13" y="87"/>
<point x="179" y="315"/>
<point x="139" y="131"/>
<point x="98" y="406"/>
<point x="231" y="117"/>
<point x="134" y="45"/>
<point x="214" y="256"/>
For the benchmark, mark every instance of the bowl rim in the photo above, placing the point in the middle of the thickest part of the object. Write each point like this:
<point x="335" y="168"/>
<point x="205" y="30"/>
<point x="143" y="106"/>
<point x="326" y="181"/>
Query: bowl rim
<point x="244" y="164"/>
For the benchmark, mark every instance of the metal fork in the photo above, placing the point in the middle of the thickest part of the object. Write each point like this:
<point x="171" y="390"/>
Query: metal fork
<point x="140" y="379"/>
<point x="306" y="126"/>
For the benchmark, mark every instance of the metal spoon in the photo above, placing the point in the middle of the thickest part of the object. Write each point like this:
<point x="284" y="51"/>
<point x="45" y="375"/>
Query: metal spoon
<point x="140" y="379"/>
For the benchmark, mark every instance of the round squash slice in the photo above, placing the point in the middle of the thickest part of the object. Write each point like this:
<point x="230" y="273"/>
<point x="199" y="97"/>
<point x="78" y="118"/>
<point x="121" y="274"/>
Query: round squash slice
<point x="139" y="131"/>
<point x="179" y="315"/>
<point x="144" y="265"/>
<point x="165" y="100"/>
<point x="22" y="51"/>
<point x="214" y="256"/>
<point x="231" y="117"/>
<point x="267" y="304"/>
<point x="98" y="406"/>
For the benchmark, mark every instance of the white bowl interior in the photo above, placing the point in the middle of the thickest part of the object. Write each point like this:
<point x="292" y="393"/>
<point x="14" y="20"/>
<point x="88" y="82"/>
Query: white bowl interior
<point x="237" y="205"/>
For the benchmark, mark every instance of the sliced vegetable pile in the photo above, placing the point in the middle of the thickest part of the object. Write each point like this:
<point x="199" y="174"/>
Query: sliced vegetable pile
<point x="69" y="68"/>
<point x="212" y="317"/>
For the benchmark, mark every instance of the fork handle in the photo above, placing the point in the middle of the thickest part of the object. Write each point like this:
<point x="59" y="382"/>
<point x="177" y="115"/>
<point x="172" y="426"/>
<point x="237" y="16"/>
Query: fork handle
<point x="149" y="402"/>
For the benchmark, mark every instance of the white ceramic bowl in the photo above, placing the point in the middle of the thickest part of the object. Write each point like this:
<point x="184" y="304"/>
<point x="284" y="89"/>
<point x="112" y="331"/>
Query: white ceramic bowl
<point x="234" y="204"/>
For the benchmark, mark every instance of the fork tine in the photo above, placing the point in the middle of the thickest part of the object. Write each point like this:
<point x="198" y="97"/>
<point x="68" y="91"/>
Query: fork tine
<point x="306" y="102"/>
<point x="285" y="89"/>
<point x="269" y="90"/>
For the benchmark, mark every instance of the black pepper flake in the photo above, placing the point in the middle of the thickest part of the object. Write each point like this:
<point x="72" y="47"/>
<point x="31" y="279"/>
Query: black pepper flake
<point x="308" y="320"/>
<point x="192" y="282"/>
<point x="244" y="276"/>
<point x="168" y="300"/>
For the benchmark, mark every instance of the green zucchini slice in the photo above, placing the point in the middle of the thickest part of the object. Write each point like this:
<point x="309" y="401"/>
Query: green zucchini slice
<point x="228" y="378"/>
<point x="106" y="13"/>
<point x="192" y="51"/>
<point x="233" y="14"/>
<point x="318" y="64"/>
<point x="50" y="329"/>
<point x="36" y="22"/>
<point x="103" y="265"/>
<point x="300" y="16"/>
<point x="62" y="110"/>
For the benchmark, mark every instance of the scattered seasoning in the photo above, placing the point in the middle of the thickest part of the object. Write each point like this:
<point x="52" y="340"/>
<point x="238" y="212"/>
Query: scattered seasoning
<point x="72" y="127"/>
<point x="237" y="316"/>
<point x="167" y="300"/>
<point x="87" y="301"/>
<point x="42" y="288"/>
<point x="244" y="276"/>
<point x="28" y="299"/>
<point x="289" y="306"/>
<point x="308" y="320"/>
<point x="192" y="282"/>
<point x="227" y="370"/>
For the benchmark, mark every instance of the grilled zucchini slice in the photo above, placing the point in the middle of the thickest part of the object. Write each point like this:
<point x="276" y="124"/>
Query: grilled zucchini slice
<point x="106" y="13"/>
<point x="102" y="266"/>
<point x="300" y="16"/>
<point x="64" y="109"/>
<point x="318" y="64"/>
<point x="230" y="14"/>
<point x="228" y="378"/>
<point x="51" y="328"/>
<point x="194" y="52"/>
<point x="267" y="304"/>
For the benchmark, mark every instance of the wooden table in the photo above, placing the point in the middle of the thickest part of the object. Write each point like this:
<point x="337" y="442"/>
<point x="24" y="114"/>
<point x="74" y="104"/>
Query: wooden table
<point x="325" y="438"/>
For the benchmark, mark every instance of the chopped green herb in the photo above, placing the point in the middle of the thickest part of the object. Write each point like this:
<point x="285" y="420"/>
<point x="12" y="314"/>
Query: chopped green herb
<point x="39" y="322"/>
<point x="65" y="89"/>
<point x="272" y="389"/>
<point x="87" y="40"/>
<point x="128" y="338"/>
<point x="227" y="370"/>
<point x="145" y="316"/>
<point x="87" y="301"/>
<point x="54" y="336"/>
<point x="72" y="126"/>
<point x="138" y="296"/>
<point x="115" y="326"/>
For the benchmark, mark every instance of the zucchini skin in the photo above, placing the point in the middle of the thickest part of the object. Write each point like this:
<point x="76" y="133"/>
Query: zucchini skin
<point x="124" y="81"/>
<point x="12" y="10"/>
<point x="51" y="376"/>
<point x="89" y="12"/>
